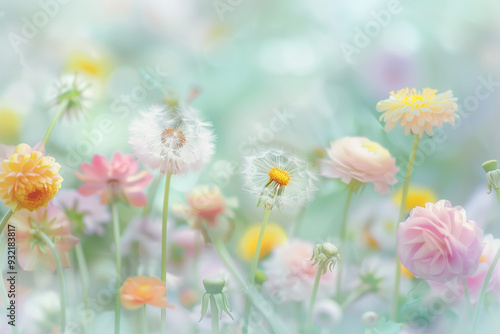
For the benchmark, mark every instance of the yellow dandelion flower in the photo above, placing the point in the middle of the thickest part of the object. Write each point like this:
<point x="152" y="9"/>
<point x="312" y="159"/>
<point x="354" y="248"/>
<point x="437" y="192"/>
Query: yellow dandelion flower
<point x="28" y="178"/>
<point x="418" y="111"/>
<point x="417" y="196"/>
<point x="274" y="236"/>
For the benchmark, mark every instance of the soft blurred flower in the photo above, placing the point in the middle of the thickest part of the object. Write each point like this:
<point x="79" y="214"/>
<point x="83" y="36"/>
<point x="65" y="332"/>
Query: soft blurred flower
<point x="185" y="243"/>
<point x="75" y="91"/>
<point x="439" y="243"/>
<point x="205" y="204"/>
<point x="279" y="179"/>
<point x="173" y="140"/>
<point x="145" y="232"/>
<point x="10" y="125"/>
<point x="274" y="235"/>
<point x="33" y="252"/>
<point x="291" y="275"/>
<point x="28" y="178"/>
<point x="326" y="313"/>
<point x="141" y="290"/>
<point x="86" y="213"/>
<point x="358" y="158"/>
<point x="114" y="180"/>
<point x="418" y="111"/>
<point x="417" y="196"/>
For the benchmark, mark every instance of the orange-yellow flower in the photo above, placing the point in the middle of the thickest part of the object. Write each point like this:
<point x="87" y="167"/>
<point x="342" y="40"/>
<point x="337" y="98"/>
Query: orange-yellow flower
<point x="274" y="236"/>
<point x="417" y="196"/>
<point x="28" y="178"/>
<point x="141" y="290"/>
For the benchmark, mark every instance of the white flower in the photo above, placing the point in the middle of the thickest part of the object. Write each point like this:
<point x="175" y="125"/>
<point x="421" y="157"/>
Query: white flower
<point x="327" y="313"/>
<point x="173" y="140"/>
<point x="279" y="179"/>
<point x="73" y="90"/>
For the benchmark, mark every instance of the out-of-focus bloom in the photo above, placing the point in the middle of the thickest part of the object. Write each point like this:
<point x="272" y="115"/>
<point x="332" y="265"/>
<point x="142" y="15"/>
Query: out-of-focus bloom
<point x="418" y="111"/>
<point x="274" y="236"/>
<point x="75" y="91"/>
<point x="189" y="298"/>
<point x="10" y="125"/>
<point x="114" y="180"/>
<point x="205" y="204"/>
<point x="33" y="252"/>
<point x="141" y="290"/>
<point x="28" y="178"/>
<point x="417" y="196"/>
<point x="370" y="319"/>
<point x="172" y="140"/>
<point x="492" y="175"/>
<point x="438" y="242"/>
<point x="358" y="158"/>
<point x="326" y="313"/>
<point x="279" y="179"/>
<point x="145" y="232"/>
<point x="86" y="213"/>
<point x="290" y="274"/>
<point x="185" y="243"/>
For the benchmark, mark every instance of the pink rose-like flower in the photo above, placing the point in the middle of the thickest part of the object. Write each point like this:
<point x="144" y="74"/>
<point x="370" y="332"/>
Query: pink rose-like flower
<point x="33" y="252"/>
<point x="438" y="243"/>
<point x="360" y="159"/>
<point x="113" y="180"/>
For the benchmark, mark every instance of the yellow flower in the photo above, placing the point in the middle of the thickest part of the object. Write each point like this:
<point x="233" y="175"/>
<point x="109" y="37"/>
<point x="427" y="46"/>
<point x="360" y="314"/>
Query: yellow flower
<point x="28" y="178"/>
<point x="406" y="272"/>
<point x="274" y="236"/>
<point x="418" y="111"/>
<point x="10" y="125"/>
<point x="417" y="196"/>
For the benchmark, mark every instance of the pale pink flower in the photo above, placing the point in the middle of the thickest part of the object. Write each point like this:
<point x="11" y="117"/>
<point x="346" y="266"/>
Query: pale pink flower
<point x="86" y="213"/>
<point x="32" y="250"/>
<point x="358" y="158"/>
<point x="291" y="275"/>
<point x="113" y="180"/>
<point x="438" y="242"/>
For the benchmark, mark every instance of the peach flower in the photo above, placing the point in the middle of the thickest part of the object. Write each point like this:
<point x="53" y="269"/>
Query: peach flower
<point x="358" y="158"/>
<point x="141" y="290"/>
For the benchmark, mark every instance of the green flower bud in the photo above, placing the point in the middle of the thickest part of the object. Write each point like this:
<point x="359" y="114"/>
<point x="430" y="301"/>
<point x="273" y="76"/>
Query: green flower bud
<point x="489" y="165"/>
<point x="214" y="285"/>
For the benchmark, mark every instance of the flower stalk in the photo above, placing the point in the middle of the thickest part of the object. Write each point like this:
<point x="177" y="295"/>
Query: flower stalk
<point x="402" y="212"/>
<point x="164" y="246"/>
<point x="84" y="280"/>
<point x="214" y="312"/>
<point x="60" y="111"/>
<point x="118" y="259"/>
<point x="343" y="235"/>
<point x="313" y="296"/>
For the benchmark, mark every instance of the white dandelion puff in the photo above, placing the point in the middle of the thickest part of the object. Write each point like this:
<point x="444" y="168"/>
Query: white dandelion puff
<point x="172" y="140"/>
<point x="279" y="179"/>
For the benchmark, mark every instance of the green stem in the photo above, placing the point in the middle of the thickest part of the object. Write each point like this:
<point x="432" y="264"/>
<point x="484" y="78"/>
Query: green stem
<point x="60" y="276"/>
<point x="402" y="212"/>
<point x="84" y="279"/>
<point x="253" y="267"/>
<point x="164" y="247"/>
<point x="118" y="259"/>
<point x="313" y="297"/>
<point x="214" y="311"/>
<point x="5" y="220"/>
<point x="58" y="114"/>
<point x="343" y="236"/>
<point x="3" y="290"/>
<point x="482" y="295"/>
<point x="467" y="296"/>
<point x="359" y="292"/>
<point x="144" y="319"/>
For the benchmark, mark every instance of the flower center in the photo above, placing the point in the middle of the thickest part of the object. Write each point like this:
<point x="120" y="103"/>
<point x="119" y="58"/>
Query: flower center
<point x="279" y="176"/>
<point x="370" y="147"/>
<point x="144" y="292"/>
<point x="173" y="136"/>
<point x="482" y="258"/>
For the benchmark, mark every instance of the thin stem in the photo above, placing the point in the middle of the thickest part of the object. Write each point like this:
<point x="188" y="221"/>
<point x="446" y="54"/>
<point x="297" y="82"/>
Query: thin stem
<point x="60" y="276"/>
<point x="164" y="247"/>
<point x="144" y="319"/>
<point x="343" y="235"/>
<point x="482" y="295"/>
<point x="58" y="114"/>
<point x="3" y="290"/>
<point x="253" y="267"/>
<point x="402" y="212"/>
<point x="359" y="292"/>
<point x="467" y="296"/>
<point x="5" y="220"/>
<point x="313" y="297"/>
<point x="84" y="279"/>
<point x="214" y="312"/>
<point x="118" y="259"/>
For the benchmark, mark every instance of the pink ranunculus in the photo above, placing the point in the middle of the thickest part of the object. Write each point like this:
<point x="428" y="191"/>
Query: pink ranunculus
<point x="360" y="159"/>
<point x="33" y="252"/>
<point x="115" y="179"/>
<point x="438" y="243"/>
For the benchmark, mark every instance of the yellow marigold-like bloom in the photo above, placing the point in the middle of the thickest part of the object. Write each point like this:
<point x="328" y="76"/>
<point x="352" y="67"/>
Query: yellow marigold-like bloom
<point x="417" y="196"/>
<point x="418" y="111"/>
<point x="28" y="178"/>
<point x="274" y="236"/>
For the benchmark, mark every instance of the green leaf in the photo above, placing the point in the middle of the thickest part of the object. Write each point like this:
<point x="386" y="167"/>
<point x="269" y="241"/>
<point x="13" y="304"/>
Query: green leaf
<point x="204" y="305"/>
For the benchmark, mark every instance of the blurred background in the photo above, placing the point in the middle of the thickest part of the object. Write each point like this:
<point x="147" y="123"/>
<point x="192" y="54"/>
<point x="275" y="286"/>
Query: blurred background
<point x="296" y="74"/>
